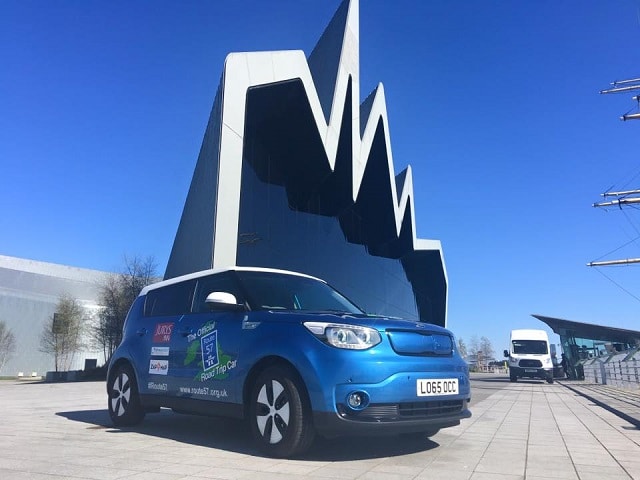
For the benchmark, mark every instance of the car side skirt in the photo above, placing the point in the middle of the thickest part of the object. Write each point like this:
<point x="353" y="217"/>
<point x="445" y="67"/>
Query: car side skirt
<point x="193" y="406"/>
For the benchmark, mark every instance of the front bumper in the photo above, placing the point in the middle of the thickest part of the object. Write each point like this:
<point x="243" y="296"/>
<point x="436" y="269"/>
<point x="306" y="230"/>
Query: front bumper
<point x="394" y="406"/>
<point x="390" y="419"/>
<point x="529" y="372"/>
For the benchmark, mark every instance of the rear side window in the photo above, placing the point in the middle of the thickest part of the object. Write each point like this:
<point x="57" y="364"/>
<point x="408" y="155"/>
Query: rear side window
<point x="173" y="299"/>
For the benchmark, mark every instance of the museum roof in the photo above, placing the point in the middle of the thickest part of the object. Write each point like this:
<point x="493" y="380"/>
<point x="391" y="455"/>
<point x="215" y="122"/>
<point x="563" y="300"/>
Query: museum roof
<point x="590" y="330"/>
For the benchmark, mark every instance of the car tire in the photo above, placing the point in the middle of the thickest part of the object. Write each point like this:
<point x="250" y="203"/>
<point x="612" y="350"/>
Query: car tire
<point x="279" y="414"/>
<point x="124" y="398"/>
<point x="549" y="380"/>
<point x="513" y="378"/>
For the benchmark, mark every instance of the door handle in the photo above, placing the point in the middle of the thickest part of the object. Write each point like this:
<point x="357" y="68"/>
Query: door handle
<point x="186" y="331"/>
<point x="142" y="331"/>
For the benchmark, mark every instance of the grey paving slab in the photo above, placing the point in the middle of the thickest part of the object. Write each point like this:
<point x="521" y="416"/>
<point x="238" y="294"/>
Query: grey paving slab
<point x="624" y="402"/>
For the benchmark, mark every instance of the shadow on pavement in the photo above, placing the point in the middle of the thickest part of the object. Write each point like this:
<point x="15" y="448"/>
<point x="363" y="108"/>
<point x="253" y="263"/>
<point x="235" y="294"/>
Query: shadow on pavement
<point x="233" y="436"/>
<point x="99" y="418"/>
<point x="526" y="381"/>
<point x="491" y="379"/>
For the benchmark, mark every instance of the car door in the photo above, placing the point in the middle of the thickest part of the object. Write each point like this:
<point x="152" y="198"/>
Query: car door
<point x="207" y="345"/>
<point x="164" y="308"/>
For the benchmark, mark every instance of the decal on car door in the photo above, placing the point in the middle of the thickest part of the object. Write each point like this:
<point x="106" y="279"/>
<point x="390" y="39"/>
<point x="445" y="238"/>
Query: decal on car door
<point x="214" y="363"/>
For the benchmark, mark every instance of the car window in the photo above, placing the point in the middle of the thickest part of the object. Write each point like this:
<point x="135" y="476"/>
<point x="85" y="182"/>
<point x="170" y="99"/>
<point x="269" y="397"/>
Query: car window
<point x="222" y="282"/>
<point x="170" y="300"/>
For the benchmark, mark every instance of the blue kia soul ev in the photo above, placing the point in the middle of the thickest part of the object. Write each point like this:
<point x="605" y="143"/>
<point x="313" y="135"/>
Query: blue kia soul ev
<point x="289" y="354"/>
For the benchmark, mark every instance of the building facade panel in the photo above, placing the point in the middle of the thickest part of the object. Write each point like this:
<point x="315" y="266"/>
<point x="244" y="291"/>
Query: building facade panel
<point x="274" y="235"/>
<point x="29" y="293"/>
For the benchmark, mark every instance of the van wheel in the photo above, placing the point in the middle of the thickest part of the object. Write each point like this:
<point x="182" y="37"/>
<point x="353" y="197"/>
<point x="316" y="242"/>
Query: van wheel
<point x="124" y="399"/>
<point x="549" y="380"/>
<point x="280" y="419"/>
<point x="513" y="378"/>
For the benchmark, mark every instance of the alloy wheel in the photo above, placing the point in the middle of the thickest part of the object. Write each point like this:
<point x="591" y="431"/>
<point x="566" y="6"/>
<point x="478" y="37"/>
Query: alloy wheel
<point x="120" y="394"/>
<point x="272" y="413"/>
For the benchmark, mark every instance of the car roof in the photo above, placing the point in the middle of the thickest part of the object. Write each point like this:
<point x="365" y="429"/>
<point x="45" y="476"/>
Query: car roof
<point x="204" y="273"/>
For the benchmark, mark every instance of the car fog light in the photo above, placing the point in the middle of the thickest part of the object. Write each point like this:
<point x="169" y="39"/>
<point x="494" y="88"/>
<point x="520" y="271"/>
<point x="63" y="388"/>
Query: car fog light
<point x="357" y="400"/>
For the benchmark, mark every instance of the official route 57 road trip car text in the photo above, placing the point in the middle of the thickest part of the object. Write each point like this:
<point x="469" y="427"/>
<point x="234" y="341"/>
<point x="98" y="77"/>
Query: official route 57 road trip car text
<point x="289" y="354"/>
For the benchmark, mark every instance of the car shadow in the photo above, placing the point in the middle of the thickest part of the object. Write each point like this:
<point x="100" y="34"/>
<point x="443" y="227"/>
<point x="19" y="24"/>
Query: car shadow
<point x="233" y="436"/>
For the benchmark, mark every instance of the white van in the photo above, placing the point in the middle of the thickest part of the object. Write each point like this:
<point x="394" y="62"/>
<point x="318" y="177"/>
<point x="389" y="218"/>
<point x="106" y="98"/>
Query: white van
<point x="529" y="355"/>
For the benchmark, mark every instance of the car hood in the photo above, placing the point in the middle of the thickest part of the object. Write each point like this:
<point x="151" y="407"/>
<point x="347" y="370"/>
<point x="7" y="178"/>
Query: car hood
<point x="406" y="337"/>
<point x="380" y="323"/>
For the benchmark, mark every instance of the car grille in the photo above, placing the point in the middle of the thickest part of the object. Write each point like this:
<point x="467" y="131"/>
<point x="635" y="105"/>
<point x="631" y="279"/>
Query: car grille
<point x="403" y="411"/>
<point x="530" y="363"/>
<point x="420" y="343"/>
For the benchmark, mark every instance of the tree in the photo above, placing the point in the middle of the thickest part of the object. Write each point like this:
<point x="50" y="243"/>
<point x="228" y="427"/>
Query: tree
<point x="481" y="349"/>
<point x="474" y="345"/>
<point x="117" y="293"/>
<point x="462" y="348"/>
<point x="7" y="344"/>
<point x="486" y="348"/>
<point x="63" y="335"/>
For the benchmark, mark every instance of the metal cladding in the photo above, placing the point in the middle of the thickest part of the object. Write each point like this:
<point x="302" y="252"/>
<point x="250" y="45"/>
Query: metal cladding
<point x="298" y="123"/>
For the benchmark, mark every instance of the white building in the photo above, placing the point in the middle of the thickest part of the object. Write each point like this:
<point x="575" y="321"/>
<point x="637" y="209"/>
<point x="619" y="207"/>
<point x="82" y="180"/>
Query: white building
<point x="29" y="293"/>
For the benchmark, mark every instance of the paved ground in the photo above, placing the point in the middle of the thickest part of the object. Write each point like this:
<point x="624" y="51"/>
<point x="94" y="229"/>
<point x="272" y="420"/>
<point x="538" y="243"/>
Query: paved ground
<point x="525" y="430"/>
<point x="623" y="402"/>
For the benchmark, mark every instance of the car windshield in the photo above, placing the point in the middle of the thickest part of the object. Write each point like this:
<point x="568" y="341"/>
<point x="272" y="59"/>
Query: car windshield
<point x="280" y="291"/>
<point x="538" y="347"/>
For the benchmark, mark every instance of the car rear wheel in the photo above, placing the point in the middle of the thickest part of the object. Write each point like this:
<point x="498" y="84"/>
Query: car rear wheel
<point x="280" y="418"/>
<point x="124" y="399"/>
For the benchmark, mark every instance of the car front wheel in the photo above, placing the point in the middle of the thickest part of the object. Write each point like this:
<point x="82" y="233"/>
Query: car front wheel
<point x="280" y="418"/>
<point x="124" y="400"/>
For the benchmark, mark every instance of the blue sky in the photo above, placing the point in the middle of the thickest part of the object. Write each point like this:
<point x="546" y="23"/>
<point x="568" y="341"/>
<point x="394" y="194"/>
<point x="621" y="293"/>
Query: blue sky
<point x="495" y="105"/>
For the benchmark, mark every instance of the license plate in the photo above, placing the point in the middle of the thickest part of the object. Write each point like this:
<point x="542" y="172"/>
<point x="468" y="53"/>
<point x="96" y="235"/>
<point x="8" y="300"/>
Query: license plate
<point x="529" y="370"/>
<point x="442" y="386"/>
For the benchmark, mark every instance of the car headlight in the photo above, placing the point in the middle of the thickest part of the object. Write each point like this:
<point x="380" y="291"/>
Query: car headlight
<point x="351" y="337"/>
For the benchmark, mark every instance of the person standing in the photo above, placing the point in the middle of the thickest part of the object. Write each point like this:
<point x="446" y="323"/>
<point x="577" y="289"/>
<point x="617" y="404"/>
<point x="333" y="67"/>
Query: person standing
<point x="565" y="365"/>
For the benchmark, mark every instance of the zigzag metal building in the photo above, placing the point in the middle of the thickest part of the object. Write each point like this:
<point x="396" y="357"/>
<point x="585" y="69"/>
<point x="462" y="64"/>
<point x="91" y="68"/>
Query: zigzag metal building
<point x="294" y="173"/>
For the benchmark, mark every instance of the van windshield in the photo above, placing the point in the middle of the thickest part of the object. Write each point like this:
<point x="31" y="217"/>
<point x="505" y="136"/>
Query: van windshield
<point x="537" y="347"/>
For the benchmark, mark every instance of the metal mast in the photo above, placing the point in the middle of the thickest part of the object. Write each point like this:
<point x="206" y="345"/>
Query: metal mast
<point x="627" y="197"/>
<point x="620" y="86"/>
<point x="623" y="198"/>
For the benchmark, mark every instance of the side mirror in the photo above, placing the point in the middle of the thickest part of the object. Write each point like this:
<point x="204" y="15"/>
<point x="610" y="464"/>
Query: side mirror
<point x="506" y="353"/>
<point x="222" y="301"/>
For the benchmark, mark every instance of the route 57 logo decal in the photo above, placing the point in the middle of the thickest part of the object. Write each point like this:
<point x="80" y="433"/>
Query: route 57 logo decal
<point x="209" y="348"/>
<point x="214" y="363"/>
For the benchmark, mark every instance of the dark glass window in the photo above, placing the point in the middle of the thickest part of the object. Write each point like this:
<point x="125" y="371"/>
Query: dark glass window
<point x="271" y="234"/>
<point x="170" y="300"/>
<point x="220" y="282"/>
<point x="536" y="347"/>
<point x="269" y="291"/>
